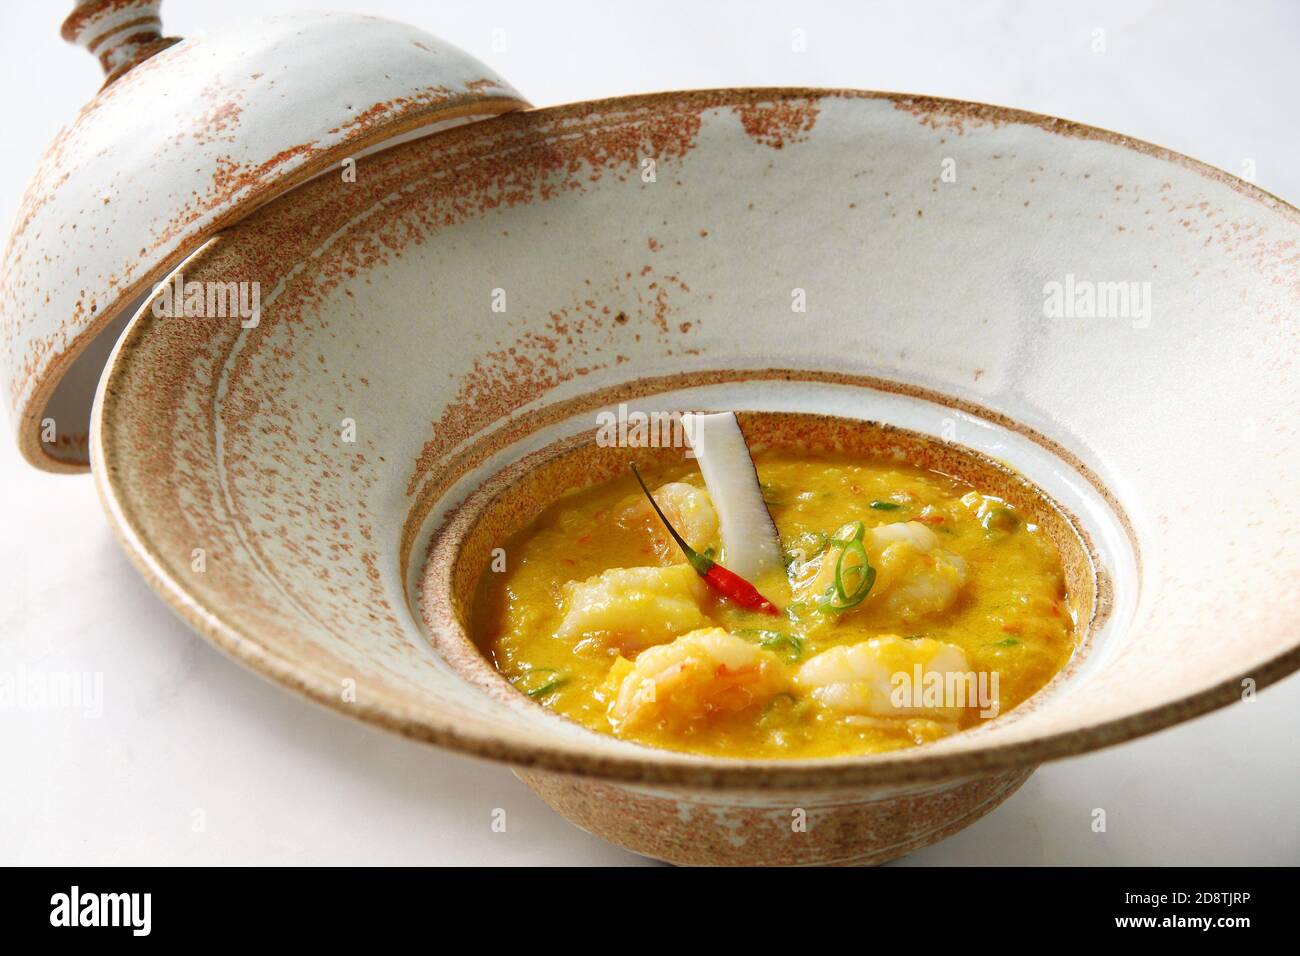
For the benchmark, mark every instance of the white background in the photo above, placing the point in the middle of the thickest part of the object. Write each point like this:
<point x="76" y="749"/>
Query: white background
<point x="188" y="735"/>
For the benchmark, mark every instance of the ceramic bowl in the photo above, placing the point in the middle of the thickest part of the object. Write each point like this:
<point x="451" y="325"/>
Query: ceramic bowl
<point x="1114" y="323"/>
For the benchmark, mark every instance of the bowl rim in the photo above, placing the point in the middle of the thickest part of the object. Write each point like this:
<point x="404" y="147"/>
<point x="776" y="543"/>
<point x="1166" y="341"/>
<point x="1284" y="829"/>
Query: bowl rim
<point x="652" y="766"/>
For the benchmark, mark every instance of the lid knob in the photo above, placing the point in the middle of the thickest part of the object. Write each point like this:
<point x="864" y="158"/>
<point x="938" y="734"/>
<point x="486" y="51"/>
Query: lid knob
<point x="121" y="33"/>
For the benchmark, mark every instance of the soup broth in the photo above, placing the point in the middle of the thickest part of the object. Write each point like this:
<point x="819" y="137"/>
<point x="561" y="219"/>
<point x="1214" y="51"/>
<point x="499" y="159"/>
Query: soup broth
<point x="598" y="615"/>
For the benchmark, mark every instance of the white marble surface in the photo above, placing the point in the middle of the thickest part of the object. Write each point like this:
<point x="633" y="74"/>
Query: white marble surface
<point x="196" y="761"/>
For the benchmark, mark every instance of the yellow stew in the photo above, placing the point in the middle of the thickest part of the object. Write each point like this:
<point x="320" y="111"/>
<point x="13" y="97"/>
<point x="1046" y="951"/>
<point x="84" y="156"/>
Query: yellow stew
<point x="598" y="616"/>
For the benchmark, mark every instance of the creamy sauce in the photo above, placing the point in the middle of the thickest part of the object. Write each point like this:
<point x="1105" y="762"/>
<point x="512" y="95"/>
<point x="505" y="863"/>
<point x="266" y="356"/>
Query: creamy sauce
<point x="967" y="594"/>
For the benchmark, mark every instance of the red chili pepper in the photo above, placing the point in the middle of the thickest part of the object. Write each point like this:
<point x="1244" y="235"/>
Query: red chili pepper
<point x="727" y="583"/>
<point x="731" y="585"/>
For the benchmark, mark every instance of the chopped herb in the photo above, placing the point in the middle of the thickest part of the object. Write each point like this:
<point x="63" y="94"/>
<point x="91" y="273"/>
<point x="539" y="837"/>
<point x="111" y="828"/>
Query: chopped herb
<point x="813" y="542"/>
<point x="780" y="698"/>
<point x="1001" y="519"/>
<point x="1007" y="642"/>
<point x="795" y="610"/>
<point x="806" y="546"/>
<point x="788" y="646"/>
<point x="787" y="703"/>
<point x="885" y="505"/>
<point x="771" y="497"/>
<point x="540" y="681"/>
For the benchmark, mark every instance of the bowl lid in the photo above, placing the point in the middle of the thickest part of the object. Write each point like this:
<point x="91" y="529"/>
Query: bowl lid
<point x="186" y="137"/>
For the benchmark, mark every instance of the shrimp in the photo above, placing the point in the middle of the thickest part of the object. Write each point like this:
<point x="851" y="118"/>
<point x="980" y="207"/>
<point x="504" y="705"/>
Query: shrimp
<point x="705" y="672"/>
<point x="915" y="578"/>
<point x="632" y="608"/>
<point x="877" y="678"/>
<point x="689" y="509"/>
<point x="912" y="532"/>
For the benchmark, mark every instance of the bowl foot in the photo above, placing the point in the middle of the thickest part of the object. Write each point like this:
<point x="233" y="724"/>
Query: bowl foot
<point x="760" y="828"/>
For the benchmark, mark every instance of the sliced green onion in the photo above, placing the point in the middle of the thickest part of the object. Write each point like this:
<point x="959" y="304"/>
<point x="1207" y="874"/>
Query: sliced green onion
<point x="1001" y="519"/>
<point x="853" y="582"/>
<point x="858" y="573"/>
<point x="540" y="681"/>
<point x="885" y="505"/>
<point x="849" y="533"/>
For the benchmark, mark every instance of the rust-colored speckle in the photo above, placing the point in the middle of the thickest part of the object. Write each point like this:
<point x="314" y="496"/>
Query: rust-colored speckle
<point x="777" y="123"/>
<point x="37" y="353"/>
<point x="311" y="594"/>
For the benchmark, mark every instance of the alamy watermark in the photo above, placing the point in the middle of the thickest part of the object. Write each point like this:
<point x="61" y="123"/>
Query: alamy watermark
<point x="175" y="298"/>
<point x="132" y="911"/>
<point x="935" y="689"/>
<point x="632" y="428"/>
<point x="53" y="690"/>
<point x="1086" y="299"/>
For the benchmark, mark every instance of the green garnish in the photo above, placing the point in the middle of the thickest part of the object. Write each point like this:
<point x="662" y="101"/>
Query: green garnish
<point x="853" y="579"/>
<point x="1006" y="642"/>
<point x="780" y="699"/>
<point x="806" y="546"/>
<point x="849" y="533"/>
<point x="885" y="505"/>
<point x="540" y="681"/>
<point x="813" y="542"/>
<point x="770" y="495"/>
<point x="787" y="703"/>
<point x="788" y="646"/>
<point x="1000" y="519"/>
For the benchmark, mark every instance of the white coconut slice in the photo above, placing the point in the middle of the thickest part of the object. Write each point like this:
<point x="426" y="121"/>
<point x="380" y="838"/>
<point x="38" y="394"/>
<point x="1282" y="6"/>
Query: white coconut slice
<point x="749" y="540"/>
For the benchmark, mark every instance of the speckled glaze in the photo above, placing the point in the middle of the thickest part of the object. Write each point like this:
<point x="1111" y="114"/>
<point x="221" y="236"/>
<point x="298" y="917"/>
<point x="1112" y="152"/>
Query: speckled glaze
<point x="466" y="307"/>
<point x="187" y="137"/>
<point x="805" y="827"/>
